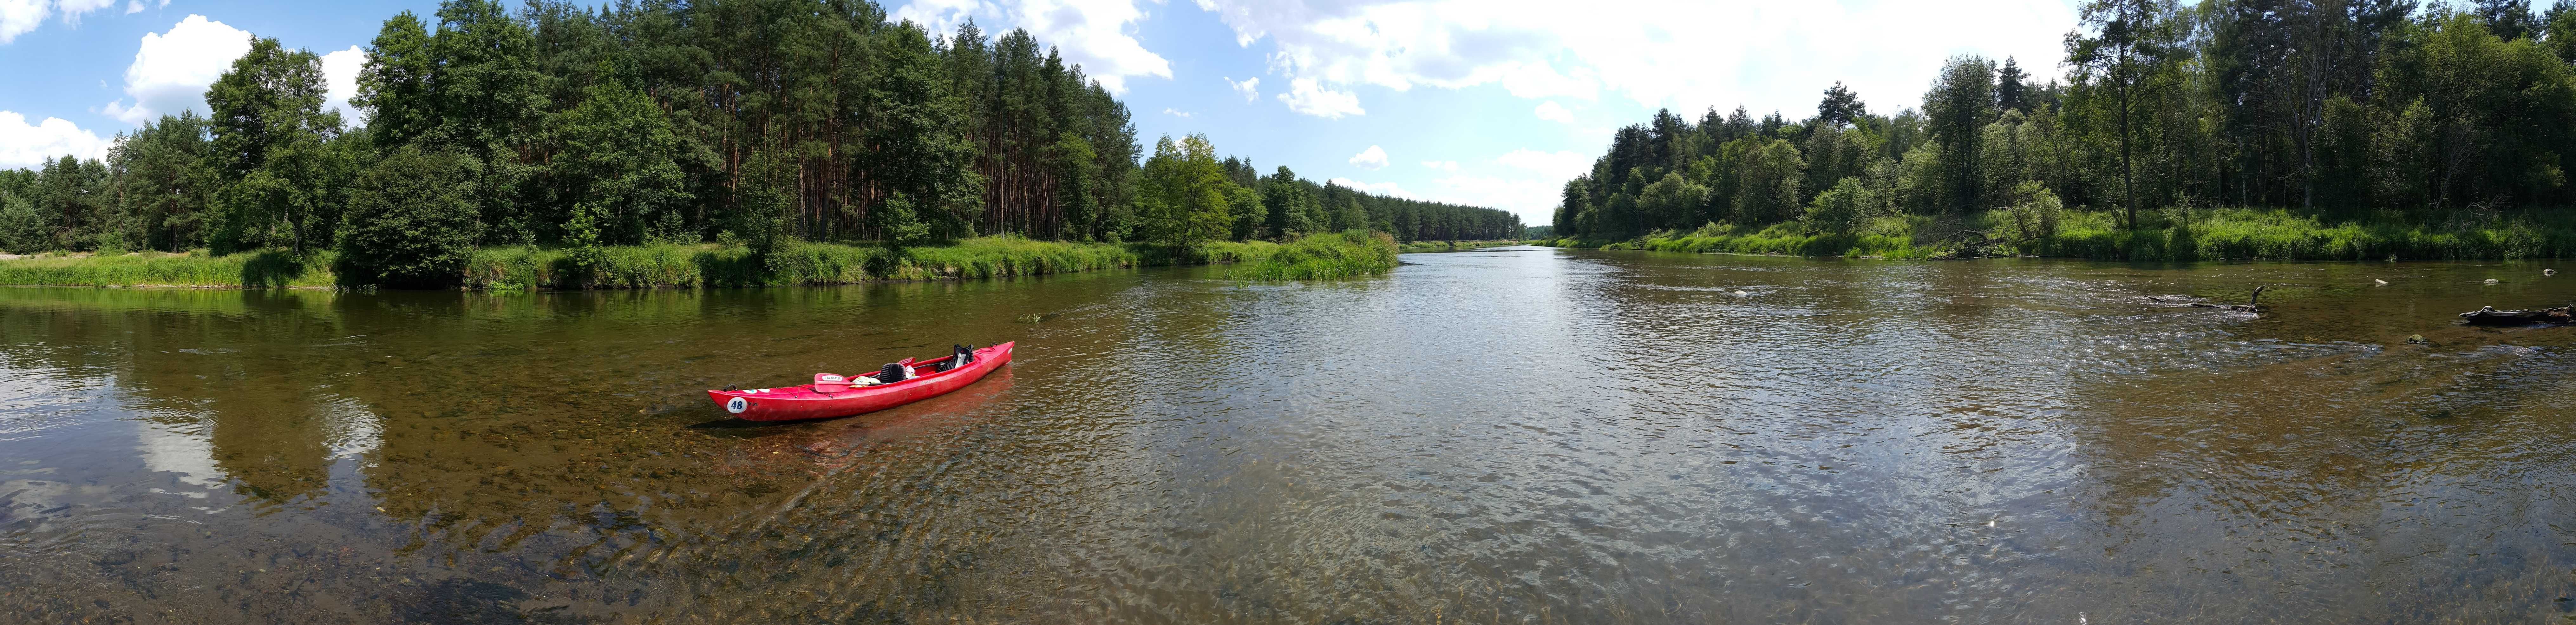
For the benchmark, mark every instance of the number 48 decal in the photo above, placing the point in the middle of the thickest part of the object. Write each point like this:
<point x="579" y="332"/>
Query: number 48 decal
<point x="737" y="405"/>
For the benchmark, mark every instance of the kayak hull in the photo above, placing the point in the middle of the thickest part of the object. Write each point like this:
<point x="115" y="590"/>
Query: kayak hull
<point x="803" y="402"/>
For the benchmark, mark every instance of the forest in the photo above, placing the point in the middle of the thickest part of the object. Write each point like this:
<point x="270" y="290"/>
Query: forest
<point x="2350" y="128"/>
<point x="759" y="122"/>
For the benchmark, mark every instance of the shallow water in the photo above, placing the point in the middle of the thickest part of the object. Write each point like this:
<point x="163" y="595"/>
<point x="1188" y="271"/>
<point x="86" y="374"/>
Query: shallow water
<point x="1521" y="435"/>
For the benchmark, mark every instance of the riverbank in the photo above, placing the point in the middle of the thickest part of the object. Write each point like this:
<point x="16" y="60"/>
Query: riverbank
<point x="648" y="266"/>
<point x="1349" y="254"/>
<point x="2166" y="236"/>
<point x="1417" y="247"/>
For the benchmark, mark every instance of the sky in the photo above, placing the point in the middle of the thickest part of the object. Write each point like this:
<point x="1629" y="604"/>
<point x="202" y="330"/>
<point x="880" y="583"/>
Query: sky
<point x="1480" y="102"/>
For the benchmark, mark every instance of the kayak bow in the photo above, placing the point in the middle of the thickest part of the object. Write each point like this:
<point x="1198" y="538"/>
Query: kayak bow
<point x="832" y="396"/>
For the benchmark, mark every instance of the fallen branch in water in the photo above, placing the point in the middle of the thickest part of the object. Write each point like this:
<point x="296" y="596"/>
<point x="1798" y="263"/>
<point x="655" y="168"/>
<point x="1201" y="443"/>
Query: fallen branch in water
<point x="2253" y="304"/>
<point x="2489" y="316"/>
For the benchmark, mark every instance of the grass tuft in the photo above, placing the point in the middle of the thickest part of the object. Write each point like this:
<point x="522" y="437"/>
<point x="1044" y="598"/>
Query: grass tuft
<point x="1349" y="254"/>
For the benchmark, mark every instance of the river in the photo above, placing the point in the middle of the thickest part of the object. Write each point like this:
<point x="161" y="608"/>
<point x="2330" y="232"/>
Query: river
<point x="1515" y="435"/>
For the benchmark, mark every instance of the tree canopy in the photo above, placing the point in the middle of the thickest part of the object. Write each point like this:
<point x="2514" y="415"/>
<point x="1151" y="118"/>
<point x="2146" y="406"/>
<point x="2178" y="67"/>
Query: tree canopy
<point x="642" y="122"/>
<point x="2378" y="110"/>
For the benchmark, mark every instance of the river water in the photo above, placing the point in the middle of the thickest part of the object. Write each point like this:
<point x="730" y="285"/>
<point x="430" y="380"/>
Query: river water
<point x="1516" y="435"/>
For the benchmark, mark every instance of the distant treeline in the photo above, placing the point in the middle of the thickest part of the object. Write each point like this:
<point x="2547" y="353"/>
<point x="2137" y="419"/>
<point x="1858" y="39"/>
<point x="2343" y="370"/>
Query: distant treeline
<point x="771" y="121"/>
<point x="2374" y="111"/>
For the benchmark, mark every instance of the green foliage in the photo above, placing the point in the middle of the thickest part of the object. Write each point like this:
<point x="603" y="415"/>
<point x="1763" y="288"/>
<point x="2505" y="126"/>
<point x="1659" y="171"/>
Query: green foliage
<point x="1350" y="254"/>
<point x="2424" y="133"/>
<point x="266" y="269"/>
<point x="617" y="162"/>
<point x="1182" y="196"/>
<point x="22" y="229"/>
<point x="2034" y="214"/>
<point x="412" y="220"/>
<point x="278" y="149"/>
<point x="1834" y="209"/>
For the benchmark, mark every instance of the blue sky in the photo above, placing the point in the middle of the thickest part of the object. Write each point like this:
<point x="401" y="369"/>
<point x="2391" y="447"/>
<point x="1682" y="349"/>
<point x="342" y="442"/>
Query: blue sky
<point x="1483" y="102"/>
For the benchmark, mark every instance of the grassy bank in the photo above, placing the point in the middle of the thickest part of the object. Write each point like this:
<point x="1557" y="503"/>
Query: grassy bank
<point x="265" y="269"/>
<point x="649" y="266"/>
<point x="2174" y="235"/>
<point x="1323" y="257"/>
<point x="1416" y="247"/>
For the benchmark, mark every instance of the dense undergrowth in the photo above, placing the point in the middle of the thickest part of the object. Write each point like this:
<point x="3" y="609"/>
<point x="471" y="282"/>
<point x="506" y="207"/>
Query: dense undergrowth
<point x="1350" y="254"/>
<point x="1413" y="247"/>
<point x="2167" y="236"/>
<point x="645" y="266"/>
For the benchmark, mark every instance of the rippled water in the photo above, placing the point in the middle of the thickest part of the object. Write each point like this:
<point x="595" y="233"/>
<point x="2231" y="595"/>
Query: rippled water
<point x="1528" y="436"/>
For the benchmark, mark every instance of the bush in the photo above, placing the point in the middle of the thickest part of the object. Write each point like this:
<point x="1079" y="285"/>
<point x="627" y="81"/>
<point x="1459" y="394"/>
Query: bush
<point x="1352" y="253"/>
<point x="22" y="230"/>
<point x="411" y="220"/>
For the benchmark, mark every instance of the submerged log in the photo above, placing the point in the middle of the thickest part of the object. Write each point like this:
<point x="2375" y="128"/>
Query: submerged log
<point x="2253" y="303"/>
<point x="2489" y="316"/>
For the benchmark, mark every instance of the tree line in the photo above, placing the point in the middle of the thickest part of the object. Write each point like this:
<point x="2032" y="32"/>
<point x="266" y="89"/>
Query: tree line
<point x="768" y="121"/>
<point x="2359" y="110"/>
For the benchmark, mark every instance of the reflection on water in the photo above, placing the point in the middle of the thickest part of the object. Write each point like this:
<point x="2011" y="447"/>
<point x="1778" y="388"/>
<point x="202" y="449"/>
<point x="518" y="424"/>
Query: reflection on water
<point x="1512" y="435"/>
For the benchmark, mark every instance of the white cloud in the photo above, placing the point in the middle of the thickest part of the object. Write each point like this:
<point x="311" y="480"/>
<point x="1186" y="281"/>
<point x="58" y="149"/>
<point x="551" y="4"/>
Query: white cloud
<point x="1559" y="165"/>
<point x="1529" y="185"/>
<point x="1371" y="159"/>
<point x="1689" y="55"/>
<point x="1249" y="87"/>
<point x="30" y="145"/>
<point x="340" y="72"/>
<point x="1306" y="96"/>
<point x="1382" y="188"/>
<point x="19" y="17"/>
<point x="1534" y="198"/>
<point x="1091" y="33"/>
<point x="171" y="70"/>
<point x="1175" y="112"/>
<point x="1554" y="112"/>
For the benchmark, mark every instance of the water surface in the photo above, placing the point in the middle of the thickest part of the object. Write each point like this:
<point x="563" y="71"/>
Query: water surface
<point x="1519" y="435"/>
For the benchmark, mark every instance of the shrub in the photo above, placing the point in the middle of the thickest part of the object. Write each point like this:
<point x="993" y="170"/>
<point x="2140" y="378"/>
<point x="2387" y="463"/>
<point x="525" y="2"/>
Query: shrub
<point x="411" y="220"/>
<point x="1352" y="253"/>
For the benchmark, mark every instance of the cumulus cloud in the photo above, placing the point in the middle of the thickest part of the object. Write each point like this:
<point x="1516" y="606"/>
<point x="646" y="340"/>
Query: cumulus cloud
<point x="1175" y="112"/>
<point x="24" y="145"/>
<point x="1528" y="183"/>
<point x="1690" y="55"/>
<point x="1559" y="165"/>
<point x="19" y="17"/>
<point x="1305" y="96"/>
<point x="171" y="69"/>
<point x="1389" y="189"/>
<point x="1371" y="159"/>
<point x="1091" y="33"/>
<point x="136" y="6"/>
<point x="340" y="72"/>
<point x="1249" y="87"/>
<point x="1554" y="112"/>
<point x="1441" y="165"/>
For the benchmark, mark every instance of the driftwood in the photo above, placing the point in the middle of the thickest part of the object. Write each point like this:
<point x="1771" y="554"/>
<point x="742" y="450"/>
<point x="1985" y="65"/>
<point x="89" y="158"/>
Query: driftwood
<point x="2489" y="316"/>
<point x="2253" y="303"/>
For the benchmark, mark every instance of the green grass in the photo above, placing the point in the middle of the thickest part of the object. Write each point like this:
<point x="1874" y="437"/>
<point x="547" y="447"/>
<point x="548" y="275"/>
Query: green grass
<point x="1888" y="237"/>
<point x="1349" y="254"/>
<point x="710" y="265"/>
<point x="2238" y="234"/>
<point x="269" y="268"/>
<point x="1449" y="246"/>
<point x="2165" y="236"/>
<point x="649" y="266"/>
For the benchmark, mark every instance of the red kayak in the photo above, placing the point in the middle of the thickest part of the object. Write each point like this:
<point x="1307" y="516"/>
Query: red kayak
<point x="833" y="395"/>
